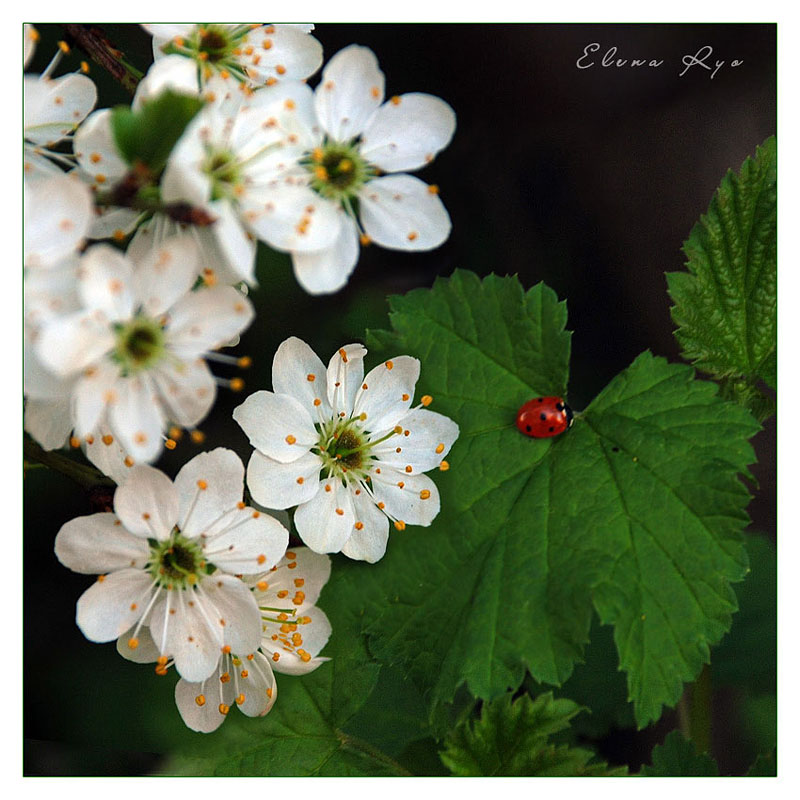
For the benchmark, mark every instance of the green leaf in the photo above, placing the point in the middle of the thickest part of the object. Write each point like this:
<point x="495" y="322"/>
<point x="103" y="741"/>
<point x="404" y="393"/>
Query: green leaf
<point x="765" y="766"/>
<point x="148" y="135"/>
<point x="303" y="734"/>
<point x="636" y="509"/>
<point x="726" y="303"/>
<point x="512" y="738"/>
<point x="678" y="758"/>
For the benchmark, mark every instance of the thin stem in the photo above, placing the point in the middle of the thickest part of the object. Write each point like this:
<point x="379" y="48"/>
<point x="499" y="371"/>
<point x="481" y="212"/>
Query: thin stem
<point x="82" y="474"/>
<point x="365" y="749"/>
<point x="93" y="41"/>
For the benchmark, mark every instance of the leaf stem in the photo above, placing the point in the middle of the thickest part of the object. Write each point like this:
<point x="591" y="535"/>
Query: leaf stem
<point x="93" y="41"/>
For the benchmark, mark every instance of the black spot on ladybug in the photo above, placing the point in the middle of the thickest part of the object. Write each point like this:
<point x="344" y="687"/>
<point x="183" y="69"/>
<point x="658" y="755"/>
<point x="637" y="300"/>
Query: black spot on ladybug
<point x="551" y="429"/>
<point x="540" y="399"/>
<point x="528" y="428"/>
<point x="542" y="416"/>
<point x="560" y="406"/>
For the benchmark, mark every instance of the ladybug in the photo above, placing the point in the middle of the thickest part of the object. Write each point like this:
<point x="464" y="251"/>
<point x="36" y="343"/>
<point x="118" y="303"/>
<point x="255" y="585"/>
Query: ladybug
<point x="543" y="417"/>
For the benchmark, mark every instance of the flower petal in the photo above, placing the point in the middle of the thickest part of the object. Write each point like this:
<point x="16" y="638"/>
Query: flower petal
<point x="314" y="636"/>
<point x="48" y="421"/>
<point x="145" y="651"/>
<point x="416" y="502"/>
<point x="208" y="486"/>
<point x="203" y="705"/>
<point x="71" y="343"/>
<point x="237" y="614"/>
<point x="298" y="372"/>
<point x="147" y="503"/>
<point x="408" y="132"/>
<point x="227" y="248"/>
<point x="97" y="544"/>
<point x="387" y="392"/>
<point x="187" y="389"/>
<point x="106" y="282"/>
<point x="58" y="213"/>
<point x="276" y="485"/>
<point x="166" y="273"/>
<point x="326" y="271"/>
<point x="95" y="388"/>
<point x="350" y="90"/>
<point x="174" y="72"/>
<point x="277" y="425"/>
<point x="257" y="684"/>
<point x="430" y="437"/>
<point x="402" y="212"/>
<point x="249" y="541"/>
<point x="370" y="533"/>
<point x="106" y="454"/>
<point x="345" y="375"/>
<point x="325" y="522"/>
<point x="112" y="604"/>
<point x="310" y="573"/>
<point x="54" y="106"/>
<point x="207" y="319"/>
<point x="282" y="51"/>
<point x="137" y="418"/>
<point x="96" y="150"/>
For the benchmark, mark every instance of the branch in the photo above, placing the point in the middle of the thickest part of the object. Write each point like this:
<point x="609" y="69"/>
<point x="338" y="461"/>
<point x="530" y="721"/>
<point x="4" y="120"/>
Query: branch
<point x="93" y="41"/>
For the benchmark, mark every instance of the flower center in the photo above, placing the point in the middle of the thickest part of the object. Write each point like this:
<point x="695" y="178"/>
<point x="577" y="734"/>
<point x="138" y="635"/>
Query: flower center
<point x="344" y="449"/>
<point x="177" y="562"/>
<point x="140" y="344"/>
<point x="214" y="43"/>
<point x="338" y="171"/>
<point x="223" y="169"/>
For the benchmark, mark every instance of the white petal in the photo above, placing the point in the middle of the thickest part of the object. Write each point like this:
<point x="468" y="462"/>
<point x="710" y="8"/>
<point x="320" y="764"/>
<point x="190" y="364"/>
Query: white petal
<point x="408" y="132"/>
<point x="291" y="217"/>
<point x="276" y="485"/>
<point x="70" y="343"/>
<point x="173" y="72"/>
<point x="30" y="36"/>
<point x="350" y="90"/>
<point x="199" y="703"/>
<point x="189" y="635"/>
<point x="249" y="542"/>
<point x="388" y="394"/>
<point x="187" y="389"/>
<point x="315" y="635"/>
<point x="368" y="542"/>
<point x="297" y="54"/>
<point x="227" y="248"/>
<point x="147" y="503"/>
<point x="49" y="421"/>
<point x="96" y="150"/>
<point x="58" y="213"/>
<point x="310" y="573"/>
<point x="93" y="391"/>
<point x="55" y="106"/>
<point x="415" y="503"/>
<point x="116" y="222"/>
<point x="402" y="213"/>
<point x="165" y="273"/>
<point x="145" y="651"/>
<point x="277" y="425"/>
<point x="113" y="604"/>
<point x="298" y="371"/>
<point x="106" y="282"/>
<point x="185" y="178"/>
<point x="209" y="485"/>
<point x="207" y="319"/>
<point x="430" y="437"/>
<point x="258" y="685"/>
<point x="237" y="614"/>
<point x="137" y="418"/>
<point x="345" y="375"/>
<point x="325" y="522"/>
<point x="106" y="454"/>
<point x="326" y="271"/>
<point x="99" y="543"/>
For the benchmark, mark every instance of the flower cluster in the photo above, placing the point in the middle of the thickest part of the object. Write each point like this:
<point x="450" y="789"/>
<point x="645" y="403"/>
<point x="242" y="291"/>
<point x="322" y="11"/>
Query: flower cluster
<point x="138" y="261"/>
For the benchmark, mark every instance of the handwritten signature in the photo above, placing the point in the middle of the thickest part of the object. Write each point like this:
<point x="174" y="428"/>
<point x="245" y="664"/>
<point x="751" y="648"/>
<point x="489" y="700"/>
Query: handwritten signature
<point x="702" y="58"/>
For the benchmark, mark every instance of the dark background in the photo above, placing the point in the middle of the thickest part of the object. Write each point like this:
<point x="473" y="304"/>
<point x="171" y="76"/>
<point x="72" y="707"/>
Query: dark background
<point x="589" y="180"/>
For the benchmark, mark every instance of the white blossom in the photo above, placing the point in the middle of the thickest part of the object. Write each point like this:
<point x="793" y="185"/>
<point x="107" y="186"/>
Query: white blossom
<point x="168" y="558"/>
<point x="347" y="449"/>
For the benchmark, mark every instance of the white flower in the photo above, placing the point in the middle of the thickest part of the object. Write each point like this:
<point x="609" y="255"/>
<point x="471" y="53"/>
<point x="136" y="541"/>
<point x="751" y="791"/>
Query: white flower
<point x="294" y="630"/>
<point x="168" y="558"/>
<point x="350" y="137"/>
<point x="257" y="55"/>
<point x="349" y="451"/>
<point x="53" y="108"/>
<point x="137" y="342"/>
<point x="30" y="36"/>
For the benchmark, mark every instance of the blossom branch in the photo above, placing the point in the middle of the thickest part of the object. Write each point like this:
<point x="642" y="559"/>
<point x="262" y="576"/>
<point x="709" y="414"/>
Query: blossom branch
<point x="93" y="41"/>
<point x="86" y="476"/>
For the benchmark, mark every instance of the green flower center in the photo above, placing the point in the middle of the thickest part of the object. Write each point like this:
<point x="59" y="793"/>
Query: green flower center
<point x="338" y="171"/>
<point x="215" y="47"/>
<point x="223" y="169"/>
<point x="177" y="562"/>
<point x="140" y="344"/>
<point x="346" y="448"/>
<point x="214" y="43"/>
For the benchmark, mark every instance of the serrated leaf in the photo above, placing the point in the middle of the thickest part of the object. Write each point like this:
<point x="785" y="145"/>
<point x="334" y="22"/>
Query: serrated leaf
<point x="636" y="510"/>
<point x="303" y="733"/>
<point x="148" y="135"/>
<point x="726" y="302"/>
<point x="512" y="738"/>
<point x="678" y="758"/>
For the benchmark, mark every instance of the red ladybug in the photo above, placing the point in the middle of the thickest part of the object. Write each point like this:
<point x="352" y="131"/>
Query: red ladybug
<point x="543" y="417"/>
